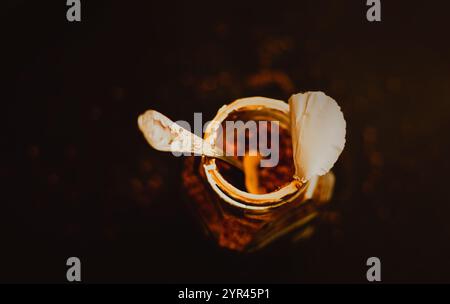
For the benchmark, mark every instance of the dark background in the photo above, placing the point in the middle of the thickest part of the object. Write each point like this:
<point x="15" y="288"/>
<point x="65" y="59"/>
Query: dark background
<point x="78" y="179"/>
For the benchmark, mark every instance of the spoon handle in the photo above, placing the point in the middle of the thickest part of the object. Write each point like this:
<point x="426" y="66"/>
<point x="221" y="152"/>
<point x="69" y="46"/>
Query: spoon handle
<point x="165" y="135"/>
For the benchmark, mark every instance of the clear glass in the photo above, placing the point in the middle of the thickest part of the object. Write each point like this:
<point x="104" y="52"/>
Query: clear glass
<point x="243" y="221"/>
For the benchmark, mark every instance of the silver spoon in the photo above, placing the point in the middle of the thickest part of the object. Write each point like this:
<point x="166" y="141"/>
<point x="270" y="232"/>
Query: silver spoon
<point x="165" y="135"/>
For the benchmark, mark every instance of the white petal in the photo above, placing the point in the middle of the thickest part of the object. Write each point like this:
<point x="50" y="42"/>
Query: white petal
<point x="318" y="133"/>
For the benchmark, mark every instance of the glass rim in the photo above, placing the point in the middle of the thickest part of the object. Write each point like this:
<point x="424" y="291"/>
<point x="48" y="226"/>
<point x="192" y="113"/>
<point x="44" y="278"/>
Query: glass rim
<point x="225" y="189"/>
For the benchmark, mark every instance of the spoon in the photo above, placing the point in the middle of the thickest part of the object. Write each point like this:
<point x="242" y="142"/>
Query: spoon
<point x="165" y="135"/>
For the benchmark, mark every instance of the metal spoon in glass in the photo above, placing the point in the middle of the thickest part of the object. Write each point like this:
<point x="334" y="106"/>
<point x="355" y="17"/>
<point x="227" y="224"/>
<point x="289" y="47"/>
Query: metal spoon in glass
<point x="165" y="135"/>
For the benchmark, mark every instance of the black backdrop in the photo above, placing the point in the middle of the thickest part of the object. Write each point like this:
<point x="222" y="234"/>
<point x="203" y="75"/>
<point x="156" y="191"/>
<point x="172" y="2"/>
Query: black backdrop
<point x="79" y="180"/>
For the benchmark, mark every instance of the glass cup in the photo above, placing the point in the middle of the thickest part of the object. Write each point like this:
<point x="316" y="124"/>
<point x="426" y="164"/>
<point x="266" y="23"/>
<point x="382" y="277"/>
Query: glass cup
<point x="244" y="221"/>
